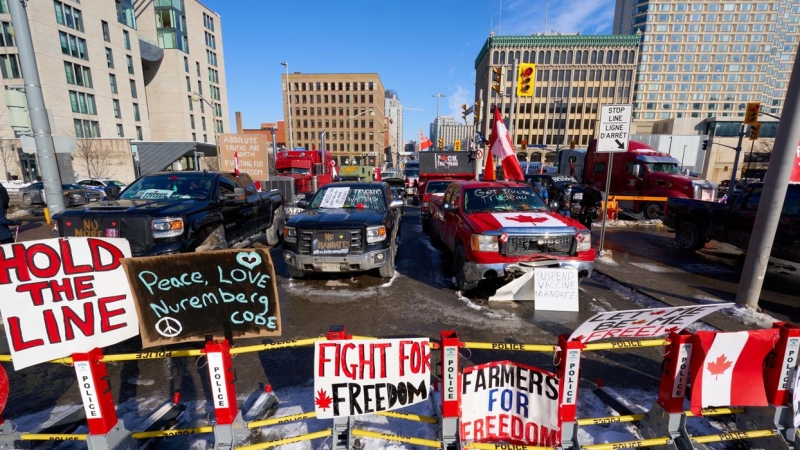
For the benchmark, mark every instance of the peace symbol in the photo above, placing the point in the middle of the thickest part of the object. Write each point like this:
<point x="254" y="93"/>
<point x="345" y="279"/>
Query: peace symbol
<point x="168" y="327"/>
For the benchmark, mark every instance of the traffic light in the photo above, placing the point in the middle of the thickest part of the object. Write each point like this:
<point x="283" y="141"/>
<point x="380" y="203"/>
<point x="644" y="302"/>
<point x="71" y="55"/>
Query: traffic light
<point x="705" y="144"/>
<point x="572" y="144"/>
<point x="441" y="143"/>
<point x="751" y="113"/>
<point x="477" y="111"/>
<point x="457" y="145"/>
<point x="755" y="129"/>
<point x="497" y="79"/>
<point x="525" y="80"/>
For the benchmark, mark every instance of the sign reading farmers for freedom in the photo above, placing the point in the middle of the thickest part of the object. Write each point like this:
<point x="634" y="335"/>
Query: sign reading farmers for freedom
<point x="508" y="402"/>
<point x="352" y="378"/>
<point x="64" y="296"/>
<point x="249" y="149"/>
<point x="186" y="297"/>
<point x="642" y="323"/>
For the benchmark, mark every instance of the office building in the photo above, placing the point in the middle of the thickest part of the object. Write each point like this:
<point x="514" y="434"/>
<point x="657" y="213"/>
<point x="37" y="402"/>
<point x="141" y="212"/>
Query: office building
<point x="349" y="107"/>
<point x="394" y="113"/>
<point x="709" y="58"/>
<point x="575" y="75"/>
<point x="450" y="130"/>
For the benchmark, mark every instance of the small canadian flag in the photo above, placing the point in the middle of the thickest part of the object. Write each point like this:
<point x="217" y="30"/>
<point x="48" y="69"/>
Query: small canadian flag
<point x="727" y="368"/>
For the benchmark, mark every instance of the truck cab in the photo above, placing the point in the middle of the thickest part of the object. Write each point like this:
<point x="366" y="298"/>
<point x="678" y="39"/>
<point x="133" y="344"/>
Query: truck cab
<point x="302" y="165"/>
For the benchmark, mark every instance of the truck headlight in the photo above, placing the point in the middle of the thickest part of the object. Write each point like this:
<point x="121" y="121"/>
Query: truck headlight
<point x="167" y="227"/>
<point x="376" y="234"/>
<point x="290" y="234"/>
<point x="584" y="238"/>
<point x="483" y="243"/>
<point x="426" y="204"/>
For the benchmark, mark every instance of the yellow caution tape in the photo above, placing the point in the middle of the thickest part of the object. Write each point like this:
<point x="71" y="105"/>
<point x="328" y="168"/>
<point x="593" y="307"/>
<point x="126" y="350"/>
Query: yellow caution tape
<point x="636" y="417"/>
<point x="168" y="433"/>
<point x="282" y="419"/>
<point x="509" y="346"/>
<point x="53" y="437"/>
<point x="275" y="345"/>
<point x="407" y="416"/>
<point x="396" y="438"/>
<point x="628" y="444"/>
<point x="715" y="411"/>
<point x="504" y="446"/>
<point x="734" y="435"/>
<point x="291" y="440"/>
<point x="634" y="197"/>
<point x="621" y="345"/>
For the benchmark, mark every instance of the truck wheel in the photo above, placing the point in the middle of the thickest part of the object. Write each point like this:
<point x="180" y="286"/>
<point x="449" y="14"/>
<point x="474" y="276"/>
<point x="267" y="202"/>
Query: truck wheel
<point x="652" y="210"/>
<point x="275" y="231"/>
<point x="459" y="260"/>
<point x="426" y="224"/>
<point x="387" y="270"/>
<point x="688" y="237"/>
<point x="27" y="200"/>
<point x="296" y="273"/>
<point x="214" y="241"/>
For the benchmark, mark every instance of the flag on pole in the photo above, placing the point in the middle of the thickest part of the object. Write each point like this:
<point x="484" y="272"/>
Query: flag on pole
<point x="503" y="148"/>
<point x="236" y="163"/>
<point x="571" y="168"/>
<point x="727" y="368"/>
<point x="424" y="142"/>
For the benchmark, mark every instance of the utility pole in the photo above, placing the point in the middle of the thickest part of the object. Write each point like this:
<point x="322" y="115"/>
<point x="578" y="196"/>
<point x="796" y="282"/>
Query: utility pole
<point x="40" y="124"/>
<point x="322" y="148"/>
<point x="732" y="186"/>
<point x="513" y="96"/>
<point x="772" y="197"/>
<point x="289" y="102"/>
<point x="274" y="150"/>
<point x="438" y="98"/>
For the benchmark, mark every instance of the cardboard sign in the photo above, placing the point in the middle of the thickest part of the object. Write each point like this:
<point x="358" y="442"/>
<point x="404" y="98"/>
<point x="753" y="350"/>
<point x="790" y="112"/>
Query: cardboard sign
<point x="509" y="402"/>
<point x="186" y="297"/>
<point x="555" y="289"/>
<point x="248" y="150"/>
<point x="641" y="323"/>
<point x="352" y="378"/>
<point x="64" y="296"/>
<point x="334" y="197"/>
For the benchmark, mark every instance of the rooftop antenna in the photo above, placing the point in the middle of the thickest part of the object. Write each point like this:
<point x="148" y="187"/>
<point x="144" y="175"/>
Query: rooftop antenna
<point x="500" y="22"/>
<point x="546" y="10"/>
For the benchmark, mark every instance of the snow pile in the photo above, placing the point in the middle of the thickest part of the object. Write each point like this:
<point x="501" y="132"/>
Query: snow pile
<point x="618" y="223"/>
<point x="741" y="314"/>
<point x="19" y="213"/>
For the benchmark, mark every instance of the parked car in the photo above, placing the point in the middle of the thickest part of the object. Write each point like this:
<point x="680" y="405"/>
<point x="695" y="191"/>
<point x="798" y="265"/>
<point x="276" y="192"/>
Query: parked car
<point x="74" y="195"/>
<point x="347" y="227"/>
<point x="100" y="184"/>
<point x="696" y="222"/>
<point x="177" y="212"/>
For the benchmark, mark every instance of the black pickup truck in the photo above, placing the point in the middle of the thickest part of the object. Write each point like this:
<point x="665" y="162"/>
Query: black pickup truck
<point x="346" y="227"/>
<point x="176" y="212"/>
<point x="696" y="221"/>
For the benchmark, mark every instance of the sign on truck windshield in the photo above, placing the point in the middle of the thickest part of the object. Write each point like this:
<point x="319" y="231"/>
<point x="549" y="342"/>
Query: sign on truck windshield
<point x="348" y="197"/>
<point x="502" y="199"/>
<point x="169" y="187"/>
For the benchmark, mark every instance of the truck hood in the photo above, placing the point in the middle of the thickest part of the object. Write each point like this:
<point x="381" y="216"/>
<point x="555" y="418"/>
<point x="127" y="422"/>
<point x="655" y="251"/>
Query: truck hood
<point x="677" y="180"/>
<point x="522" y="222"/>
<point x="336" y="218"/>
<point x="151" y="207"/>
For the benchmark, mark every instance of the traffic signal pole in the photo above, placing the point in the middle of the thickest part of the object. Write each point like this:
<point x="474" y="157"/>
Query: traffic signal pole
<point x="736" y="160"/>
<point x="772" y="197"/>
<point x="514" y="63"/>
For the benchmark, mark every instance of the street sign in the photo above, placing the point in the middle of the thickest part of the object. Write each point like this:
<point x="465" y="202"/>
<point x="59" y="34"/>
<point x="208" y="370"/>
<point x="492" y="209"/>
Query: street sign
<point x="615" y="125"/>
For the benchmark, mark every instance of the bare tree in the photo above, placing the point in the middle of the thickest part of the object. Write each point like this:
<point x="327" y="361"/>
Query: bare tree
<point x="210" y="163"/>
<point x="93" y="157"/>
<point x="8" y="156"/>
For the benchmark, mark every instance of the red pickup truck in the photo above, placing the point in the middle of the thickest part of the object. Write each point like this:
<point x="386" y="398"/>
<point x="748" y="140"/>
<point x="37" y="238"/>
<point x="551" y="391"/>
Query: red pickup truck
<point x="497" y="230"/>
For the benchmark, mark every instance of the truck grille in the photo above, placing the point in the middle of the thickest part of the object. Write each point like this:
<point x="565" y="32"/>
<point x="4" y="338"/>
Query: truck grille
<point x="305" y="237"/>
<point x="529" y="245"/>
<point x="136" y="229"/>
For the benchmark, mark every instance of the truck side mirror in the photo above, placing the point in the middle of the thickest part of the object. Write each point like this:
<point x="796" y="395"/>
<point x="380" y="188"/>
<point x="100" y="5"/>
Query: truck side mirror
<point x="239" y="195"/>
<point x="112" y="192"/>
<point x="302" y="204"/>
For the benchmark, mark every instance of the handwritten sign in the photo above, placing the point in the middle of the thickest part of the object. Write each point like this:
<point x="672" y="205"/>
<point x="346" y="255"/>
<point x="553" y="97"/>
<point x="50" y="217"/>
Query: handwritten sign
<point x="334" y="197"/>
<point x="642" y="323"/>
<point x="555" y="289"/>
<point x="251" y="150"/>
<point x="352" y="378"/>
<point x="185" y="297"/>
<point x="508" y="402"/>
<point x="97" y="226"/>
<point x="64" y="296"/>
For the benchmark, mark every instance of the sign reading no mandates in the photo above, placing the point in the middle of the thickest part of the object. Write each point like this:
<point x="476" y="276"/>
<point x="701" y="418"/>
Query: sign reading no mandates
<point x="180" y="298"/>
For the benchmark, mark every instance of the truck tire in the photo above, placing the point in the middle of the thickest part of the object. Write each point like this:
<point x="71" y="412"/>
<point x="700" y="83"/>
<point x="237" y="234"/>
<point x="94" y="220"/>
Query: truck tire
<point x="688" y="236"/>
<point x="275" y="231"/>
<point x="459" y="260"/>
<point x="27" y="200"/>
<point x="387" y="270"/>
<point x="651" y="210"/>
<point x="214" y="241"/>
<point x="426" y="224"/>
<point x="296" y="273"/>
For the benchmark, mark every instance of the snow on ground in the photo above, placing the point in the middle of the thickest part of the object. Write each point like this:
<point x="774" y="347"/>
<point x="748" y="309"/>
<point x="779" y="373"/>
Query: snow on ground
<point x="618" y="223"/>
<point x="19" y="213"/>
<point x="740" y="313"/>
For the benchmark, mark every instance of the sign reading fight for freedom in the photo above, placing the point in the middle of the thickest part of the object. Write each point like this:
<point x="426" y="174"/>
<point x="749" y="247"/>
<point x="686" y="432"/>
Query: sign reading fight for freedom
<point x="352" y="378"/>
<point x="64" y="296"/>
<point x="508" y="402"/>
<point x="251" y="151"/>
<point x="641" y="323"/>
<point x="186" y="297"/>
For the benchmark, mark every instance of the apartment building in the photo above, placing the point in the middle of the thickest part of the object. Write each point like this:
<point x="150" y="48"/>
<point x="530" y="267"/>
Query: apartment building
<point x="349" y="107"/>
<point x="450" y="130"/>
<point x="575" y="75"/>
<point x="394" y="113"/>
<point x="708" y="58"/>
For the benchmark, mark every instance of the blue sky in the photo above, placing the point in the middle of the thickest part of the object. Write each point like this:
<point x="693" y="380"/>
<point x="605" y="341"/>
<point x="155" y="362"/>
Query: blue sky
<point x="418" y="48"/>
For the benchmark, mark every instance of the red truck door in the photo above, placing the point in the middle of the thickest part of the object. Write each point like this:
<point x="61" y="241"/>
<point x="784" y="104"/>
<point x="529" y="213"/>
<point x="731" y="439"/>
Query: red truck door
<point x="628" y="171"/>
<point x="452" y="218"/>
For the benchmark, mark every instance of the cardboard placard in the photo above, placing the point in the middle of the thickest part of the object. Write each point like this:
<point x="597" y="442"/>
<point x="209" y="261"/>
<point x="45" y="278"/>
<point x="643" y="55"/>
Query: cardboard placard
<point x="508" y="402"/>
<point x="555" y="289"/>
<point x="352" y="378"/>
<point x="252" y="154"/>
<point x="64" y="296"/>
<point x="183" y="298"/>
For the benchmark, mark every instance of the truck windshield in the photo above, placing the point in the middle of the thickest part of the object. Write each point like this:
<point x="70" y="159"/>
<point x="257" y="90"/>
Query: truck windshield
<point x="349" y="198"/>
<point x="412" y="173"/>
<point x="294" y="171"/>
<point x="502" y="199"/>
<point x="663" y="167"/>
<point x="170" y="187"/>
<point x="436" y="187"/>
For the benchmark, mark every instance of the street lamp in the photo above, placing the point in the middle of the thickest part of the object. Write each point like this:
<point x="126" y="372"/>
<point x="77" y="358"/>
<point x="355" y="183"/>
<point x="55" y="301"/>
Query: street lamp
<point x="196" y="98"/>
<point x="289" y="103"/>
<point x="371" y="112"/>
<point x="438" y="98"/>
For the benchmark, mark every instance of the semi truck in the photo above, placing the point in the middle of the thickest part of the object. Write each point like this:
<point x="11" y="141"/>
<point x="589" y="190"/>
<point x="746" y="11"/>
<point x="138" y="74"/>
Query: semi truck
<point x="303" y="166"/>
<point x="436" y="171"/>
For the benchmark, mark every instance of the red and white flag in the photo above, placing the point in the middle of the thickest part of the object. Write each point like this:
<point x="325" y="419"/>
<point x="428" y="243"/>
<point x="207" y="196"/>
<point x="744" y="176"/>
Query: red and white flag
<point x="503" y="148"/>
<point x="424" y="142"/>
<point x="727" y="368"/>
<point x="236" y="163"/>
<point x="571" y="168"/>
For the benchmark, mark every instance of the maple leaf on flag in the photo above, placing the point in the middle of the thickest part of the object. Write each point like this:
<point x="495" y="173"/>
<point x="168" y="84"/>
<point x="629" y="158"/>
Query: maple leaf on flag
<point x="719" y="366"/>
<point x="639" y="322"/>
<point x="657" y="313"/>
<point x="671" y="329"/>
<point x="579" y="337"/>
<point x="528" y="219"/>
<point x="322" y="400"/>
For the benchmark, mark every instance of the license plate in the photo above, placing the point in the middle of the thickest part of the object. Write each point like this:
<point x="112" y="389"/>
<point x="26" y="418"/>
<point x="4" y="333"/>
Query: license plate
<point x="327" y="267"/>
<point x="330" y="243"/>
<point x="577" y="196"/>
<point x="292" y="211"/>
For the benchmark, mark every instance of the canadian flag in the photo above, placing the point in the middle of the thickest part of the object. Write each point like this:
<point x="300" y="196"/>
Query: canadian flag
<point x="727" y="368"/>
<point x="571" y="168"/>
<point x="424" y="142"/>
<point x="236" y="163"/>
<point x="502" y="148"/>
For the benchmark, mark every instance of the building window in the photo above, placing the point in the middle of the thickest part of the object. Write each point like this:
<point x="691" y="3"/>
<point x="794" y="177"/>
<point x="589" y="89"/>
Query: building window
<point x="69" y="16"/>
<point x="199" y="87"/>
<point x="191" y="120"/>
<point x="191" y="103"/>
<point x="117" y="111"/>
<point x="203" y="123"/>
<point x="186" y="64"/>
<point x="82" y="103"/>
<point x="73" y="45"/>
<point x="109" y="58"/>
<point x="194" y="137"/>
<point x="3" y="7"/>
<point x="9" y="66"/>
<point x="139" y="133"/>
<point x="136" y="116"/>
<point x="112" y="80"/>
<point x="188" y="84"/>
<point x="78" y="75"/>
<point x="130" y="63"/>
<point x="106" y="32"/>
<point x="171" y="25"/>
<point x="211" y="57"/>
<point x="126" y="39"/>
<point x="125" y="13"/>
<point x="120" y="131"/>
<point x="208" y="21"/>
<point x="133" y="89"/>
<point x="6" y="37"/>
<point x="86" y="128"/>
